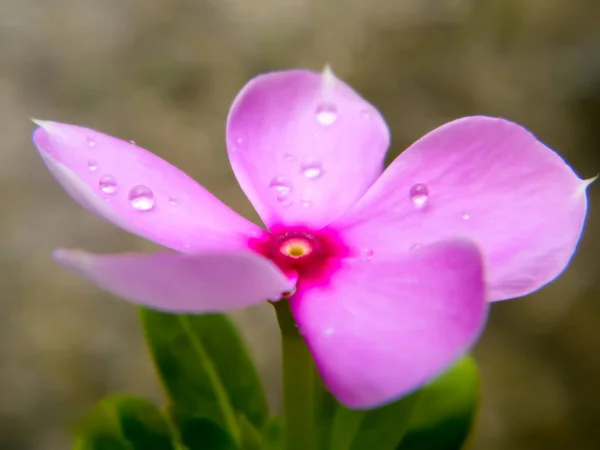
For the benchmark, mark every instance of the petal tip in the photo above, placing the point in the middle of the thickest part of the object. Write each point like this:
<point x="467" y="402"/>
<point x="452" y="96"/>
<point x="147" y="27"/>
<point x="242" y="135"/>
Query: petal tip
<point x="69" y="257"/>
<point x="45" y="124"/>
<point x="589" y="181"/>
<point x="328" y="81"/>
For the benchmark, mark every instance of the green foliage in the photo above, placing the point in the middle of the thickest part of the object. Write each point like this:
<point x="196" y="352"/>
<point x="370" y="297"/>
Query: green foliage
<point x="124" y="423"/>
<point x="437" y="417"/>
<point x="216" y="402"/>
<point x="445" y="411"/>
<point x="205" y="368"/>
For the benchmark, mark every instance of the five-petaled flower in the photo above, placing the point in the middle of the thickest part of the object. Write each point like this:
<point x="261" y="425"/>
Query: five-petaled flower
<point x="388" y="273"/>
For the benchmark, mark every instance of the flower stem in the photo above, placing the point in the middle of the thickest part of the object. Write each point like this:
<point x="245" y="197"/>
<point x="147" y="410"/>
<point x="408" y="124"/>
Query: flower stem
<point x="298" y="383"/>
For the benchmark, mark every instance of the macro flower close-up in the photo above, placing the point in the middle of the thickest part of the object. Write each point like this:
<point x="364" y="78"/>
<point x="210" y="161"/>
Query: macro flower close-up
<point x="388" y="272"/>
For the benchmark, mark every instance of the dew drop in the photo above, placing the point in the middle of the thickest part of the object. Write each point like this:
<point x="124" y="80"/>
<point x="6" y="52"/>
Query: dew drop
<point x="288" y="157"/>
<point x="366" y="254"/>
<point x="132" y="142"/>
<point x="419" y="194"/>
<point x="312" y="170"/>
<point x="108" y="184"/>
<point x="284" y="199"/>
<point x="414" y="247"/>
<point x="466" y="216"/>
<point x="366" y="114"/>
<point x="327" y="114"/>
<point x="173" y="201"/>
<point x="306" y="202"/>
<point x="92" y="166"/>
<point x="141" y="198"/>
<point x="239" y="141"/>
<point x="281" y="185"/>
<point x="90" y="142"/>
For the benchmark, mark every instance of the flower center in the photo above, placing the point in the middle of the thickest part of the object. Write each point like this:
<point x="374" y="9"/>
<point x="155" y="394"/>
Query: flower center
<point x="311" y="255"/>
<point x="296" y="248"/>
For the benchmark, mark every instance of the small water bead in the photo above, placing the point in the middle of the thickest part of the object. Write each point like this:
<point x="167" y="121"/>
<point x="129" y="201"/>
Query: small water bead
<point x="305" y="202"/>
<point x="327" y="114"/>
<point x="366" y="254"/>
<point x="90" y="142"/>
<point x="414" y="247"/>
<point x="141" y="198"/>
<point x="92" y="166"/>
<point x="173" y="201"/>
<point x="289" y="157"/>
<point x="466" y="216"/>
<point x="419" y="194"/>
<point x="281" y="185"/>
<point x="312" y="170"/>
<point x="108" y="184"/>
<point x="284" y="199"/>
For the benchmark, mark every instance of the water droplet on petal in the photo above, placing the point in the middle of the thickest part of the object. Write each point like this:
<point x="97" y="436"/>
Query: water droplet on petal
<point x="92" y="166"/>
<point x="173" y="201"/>
<point x="141" y="198"/>
<point x="366" y="254"/>
<point x="284" y="199"/>
<point x="466" y="216"/>
<point x="419" y="194"/>
<point x="415" y="247"/>
<point x="132" y="142"/>
<point x="328" y="331"/>
<point x="90" y="142"/>
<point x="281" y="185"/>
<point x="288" y="157"/>
<point x="239" y="141"/>
<point x="306" y="202"/>
<point x="108" y="184"/>
<point x="327" y="114"/>
<point x="366" y="114"/>
<point x="312" y="170"/>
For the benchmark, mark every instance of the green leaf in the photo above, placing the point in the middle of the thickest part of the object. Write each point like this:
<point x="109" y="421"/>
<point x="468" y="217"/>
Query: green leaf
<point x="384" y="427"/>
<point x="445" y="410"/>
<point x="273" y="434"/>
<point x="205" y="368"/>
<point x="199" y="433"/>
<point x="251" y="438"/>
<point x="380" y="428"/>
<point x="326" y="407"/>
<point x="345" y="426"/>
<point x="123" y="422"/>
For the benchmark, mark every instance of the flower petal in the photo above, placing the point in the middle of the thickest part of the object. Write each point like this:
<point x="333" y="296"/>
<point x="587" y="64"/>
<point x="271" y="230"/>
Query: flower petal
<point x="304" y="146"/>
<point x="208" y="282"/>
<point x="138" y="191"/>
<point x="381" y="329"/>
<point x="485" y="179"/>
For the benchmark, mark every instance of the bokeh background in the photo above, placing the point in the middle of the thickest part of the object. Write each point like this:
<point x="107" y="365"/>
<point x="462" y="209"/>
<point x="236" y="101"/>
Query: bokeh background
<point x="163" y="72"/>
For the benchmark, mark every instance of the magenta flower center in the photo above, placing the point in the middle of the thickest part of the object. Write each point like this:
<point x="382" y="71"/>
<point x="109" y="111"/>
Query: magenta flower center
<point x="312" y="255"/>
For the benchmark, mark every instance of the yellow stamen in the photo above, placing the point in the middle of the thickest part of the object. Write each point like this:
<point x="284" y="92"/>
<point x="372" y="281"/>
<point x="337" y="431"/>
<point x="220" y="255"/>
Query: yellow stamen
<point x="295" y="248"/>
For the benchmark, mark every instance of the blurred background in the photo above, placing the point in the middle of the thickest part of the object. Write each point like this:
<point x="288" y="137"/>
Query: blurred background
<point x="164" y="73"/>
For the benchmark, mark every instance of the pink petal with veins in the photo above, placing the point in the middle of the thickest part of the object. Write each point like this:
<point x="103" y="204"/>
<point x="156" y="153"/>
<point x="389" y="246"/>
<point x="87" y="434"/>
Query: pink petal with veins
<point x="208" y="282"/>
<point x="382" y="328"/>
<point x="138" y="191"/>
<point x="304" y="146"/>
<point x="484" y="179"/>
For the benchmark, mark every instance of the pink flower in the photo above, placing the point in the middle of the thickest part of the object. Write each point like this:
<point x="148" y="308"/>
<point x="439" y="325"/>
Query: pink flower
<point x="384" y="271"/>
